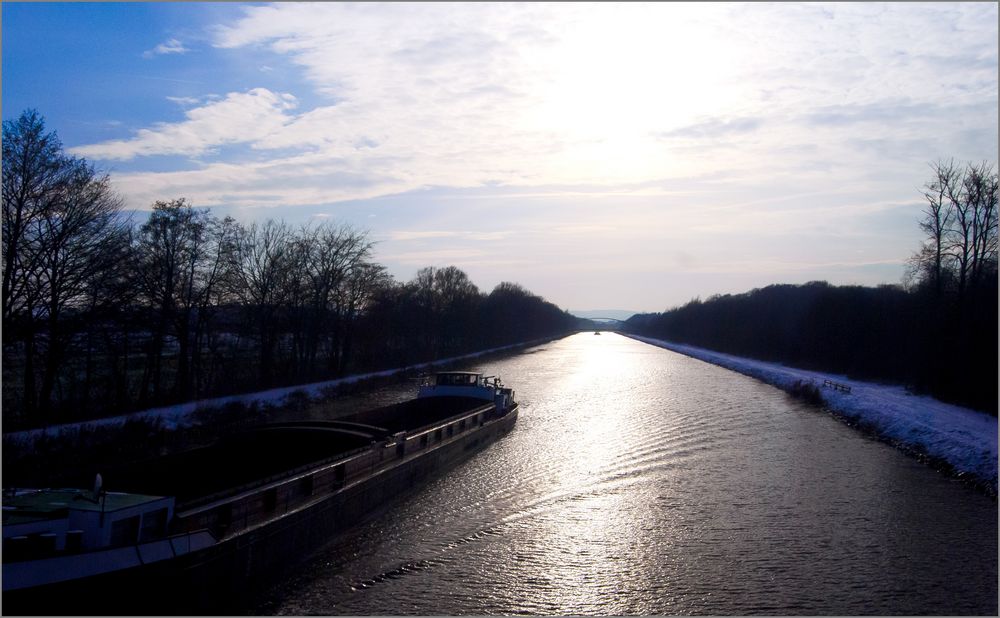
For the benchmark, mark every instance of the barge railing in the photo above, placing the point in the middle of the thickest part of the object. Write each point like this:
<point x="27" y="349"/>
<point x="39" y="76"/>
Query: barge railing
<point x="228" y="513"/>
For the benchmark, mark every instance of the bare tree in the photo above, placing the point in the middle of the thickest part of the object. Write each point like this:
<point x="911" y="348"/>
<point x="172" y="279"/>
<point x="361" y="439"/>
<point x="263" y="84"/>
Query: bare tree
<point x="960" y="221"/>
<point x="110" y="297"/>
<point x="261" y="269"/>
<point x="347" y="254"/>
<point x="453" y="286"/>
<point x="447" y="301"/>
<point x="179" y="263"/>
<point x="223" y="235"/>
<point x="973" y="231"/>
<point x="938" y="215"/>
<point x="355" y="292"/>
<point x="34" y="171"/>
<point x="64" y="235"/>
<point x="980" y="188"/>
<point x="78" y="240"/>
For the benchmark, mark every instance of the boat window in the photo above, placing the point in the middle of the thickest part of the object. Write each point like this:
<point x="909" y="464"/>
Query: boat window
<point x="423" y="441"/>
<point x="457" y="379"/>
<point x="271" y="499"/>
<point x="74" y="540"/>
<point x="124" y="531"/>
<point x="15" y="547"/>
<point x="306" y="486"/>
<point x="154" y="525"/>
<point x="45" y="543"/>
<point x="223" y="519"/>
<point x="437" y="435"/>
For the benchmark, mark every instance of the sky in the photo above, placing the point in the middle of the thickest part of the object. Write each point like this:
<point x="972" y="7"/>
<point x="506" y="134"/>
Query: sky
<point x="604" y="156"/>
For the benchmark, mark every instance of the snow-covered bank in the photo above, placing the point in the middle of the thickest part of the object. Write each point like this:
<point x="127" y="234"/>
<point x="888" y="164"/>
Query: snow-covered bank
<point x="182" y="415"/>
<point x="965" y="439"/>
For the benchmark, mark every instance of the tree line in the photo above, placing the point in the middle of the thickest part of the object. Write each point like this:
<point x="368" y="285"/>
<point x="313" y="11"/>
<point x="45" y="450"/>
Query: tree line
<point x="936" y="332"/>
<point x="102" y="314"/>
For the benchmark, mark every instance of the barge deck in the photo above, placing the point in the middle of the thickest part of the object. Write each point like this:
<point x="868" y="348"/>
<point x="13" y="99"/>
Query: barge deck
<point x="212" y="523"/>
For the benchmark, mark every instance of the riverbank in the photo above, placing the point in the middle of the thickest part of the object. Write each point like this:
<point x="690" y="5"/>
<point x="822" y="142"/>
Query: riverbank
<point x="187" y="414"/>
<point x="959" y="440"/>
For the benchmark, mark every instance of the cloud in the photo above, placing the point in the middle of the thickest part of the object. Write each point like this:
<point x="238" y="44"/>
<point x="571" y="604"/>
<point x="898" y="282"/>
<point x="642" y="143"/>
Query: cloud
<point x="714" y="128"/>
<point x="421" y="234"/>
<point x="600" y="98"/>
<point x="185" y="101"/>
<point x="170" y="46"/>
<point x="880" y="112"/>
<point x="408" y="235"/>
<point x="463" y="256"/>
<point x="307" y="179"/>
<point x="238" y="118"/>
<point x="584" y="230"/>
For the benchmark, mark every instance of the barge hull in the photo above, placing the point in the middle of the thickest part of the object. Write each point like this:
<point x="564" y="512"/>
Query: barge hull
<point x="229" y="576"/>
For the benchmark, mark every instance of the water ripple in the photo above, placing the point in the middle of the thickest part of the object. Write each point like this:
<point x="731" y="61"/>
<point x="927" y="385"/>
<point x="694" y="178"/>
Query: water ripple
<point x="638" y="481"/>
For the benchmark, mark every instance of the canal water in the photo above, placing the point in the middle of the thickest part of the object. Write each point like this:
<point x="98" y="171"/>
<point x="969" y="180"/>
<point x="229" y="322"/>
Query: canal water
<point x="641" y="481"/>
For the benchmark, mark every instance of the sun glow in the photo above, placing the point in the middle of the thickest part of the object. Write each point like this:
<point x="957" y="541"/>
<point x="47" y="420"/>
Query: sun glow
<point x="619" y="81"/>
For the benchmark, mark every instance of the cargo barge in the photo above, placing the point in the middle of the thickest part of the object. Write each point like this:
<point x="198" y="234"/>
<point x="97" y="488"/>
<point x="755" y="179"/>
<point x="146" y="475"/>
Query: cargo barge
<point x="193" y="532"/>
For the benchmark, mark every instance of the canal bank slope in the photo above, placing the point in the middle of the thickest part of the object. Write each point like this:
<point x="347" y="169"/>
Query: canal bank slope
<point x="961" y="440"/>
<point x="185" y="414"/>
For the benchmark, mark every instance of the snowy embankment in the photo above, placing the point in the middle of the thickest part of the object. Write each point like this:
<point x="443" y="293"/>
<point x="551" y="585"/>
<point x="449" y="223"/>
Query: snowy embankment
<point x="964" y="439"/>
<point x="183" y="414"/>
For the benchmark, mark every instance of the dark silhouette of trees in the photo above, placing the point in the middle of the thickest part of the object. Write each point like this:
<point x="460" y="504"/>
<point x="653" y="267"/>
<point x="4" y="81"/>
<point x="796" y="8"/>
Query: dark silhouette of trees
<point x="960" y="222"/>
<point x="35" y="173"/>
<point x="263" y="266"/>
<point x="355" y="296"/>
<point x="441" y="313"/>
<point x="329" y="283"/>
<point x="874" y="333"/>
<point x="454" y="301"/>
<point x="102" y="315"/>
<point x="515" y="314"/>
<point x="955" y="276"/>
<point x="938" y="335"/>
<point x="64" y="241"/>
<point x="930" y="261"/>
<point x="182" y="255"/>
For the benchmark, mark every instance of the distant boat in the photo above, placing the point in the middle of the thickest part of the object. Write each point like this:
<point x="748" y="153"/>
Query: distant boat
<point x="205" y="525"/>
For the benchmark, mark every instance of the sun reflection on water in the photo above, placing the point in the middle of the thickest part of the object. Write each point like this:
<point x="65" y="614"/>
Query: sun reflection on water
<point x="640" y="482"/>
<point x="590" y="542"/>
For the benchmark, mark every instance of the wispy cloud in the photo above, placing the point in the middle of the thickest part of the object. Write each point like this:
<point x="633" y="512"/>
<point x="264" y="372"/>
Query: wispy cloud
<point x="238" y="118"/>
<point x="599" y="132"/>
<point x="888" y="111"/>
<point x="583" y="230"/>
<point x="405" y="235"/>
<point x="438" y="256"/>
<point x="713" y="128"/>
<point x="597" y="95"/>
<point x="170" y="46"/>
<point x="185" y="101"/>
<point x="478" y="235"/>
